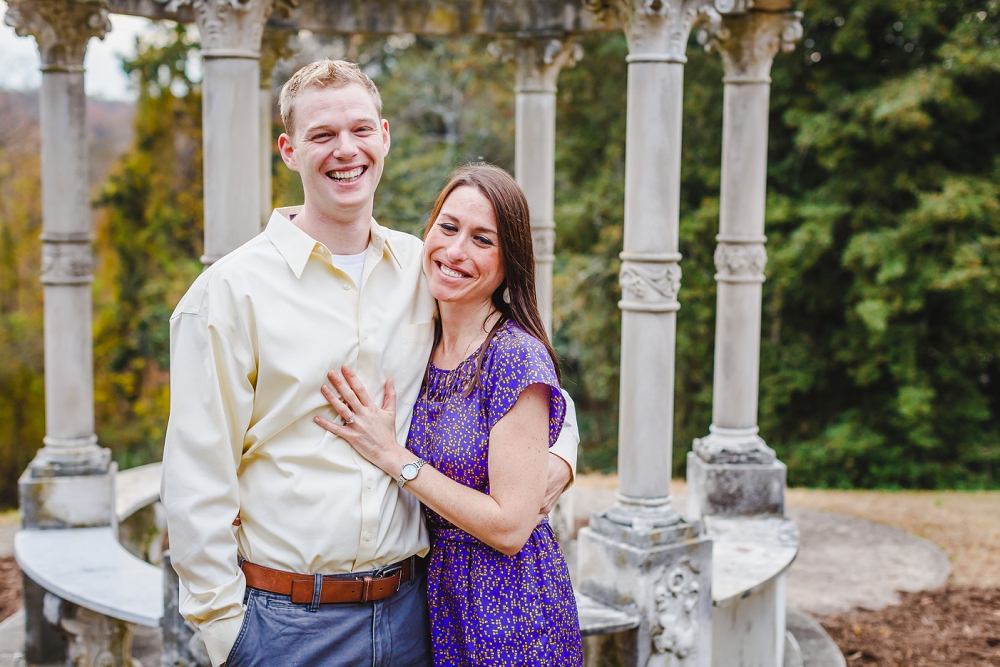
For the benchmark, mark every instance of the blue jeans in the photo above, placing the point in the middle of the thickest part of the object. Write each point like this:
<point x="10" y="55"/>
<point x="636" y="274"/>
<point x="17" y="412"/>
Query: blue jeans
<point x="394" y="632"/>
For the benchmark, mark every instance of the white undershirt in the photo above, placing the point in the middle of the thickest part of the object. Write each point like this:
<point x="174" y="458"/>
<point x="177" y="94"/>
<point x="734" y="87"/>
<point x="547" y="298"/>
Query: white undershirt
<point x="352" y="265"/>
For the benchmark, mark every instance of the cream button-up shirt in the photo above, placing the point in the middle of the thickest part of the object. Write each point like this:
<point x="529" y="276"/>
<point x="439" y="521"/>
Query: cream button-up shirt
<point x="250" y="345"/>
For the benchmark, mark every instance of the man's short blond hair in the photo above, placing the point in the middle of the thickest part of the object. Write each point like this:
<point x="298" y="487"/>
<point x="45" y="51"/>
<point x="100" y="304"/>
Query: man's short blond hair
<point x="323" y="74"/>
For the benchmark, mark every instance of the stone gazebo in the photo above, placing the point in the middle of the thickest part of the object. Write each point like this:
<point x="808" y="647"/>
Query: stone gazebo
<point x="663" y="588"/>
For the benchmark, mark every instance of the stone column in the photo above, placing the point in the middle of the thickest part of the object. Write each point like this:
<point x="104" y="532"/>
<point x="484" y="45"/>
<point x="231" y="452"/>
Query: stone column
<point x="70" y="482"/>
<point x="62" y="30"/>
<point x="641" y="552"/>
<point x="539" y="61"/>
<point x="230" y="45"/>
<point x="732" y="471"/>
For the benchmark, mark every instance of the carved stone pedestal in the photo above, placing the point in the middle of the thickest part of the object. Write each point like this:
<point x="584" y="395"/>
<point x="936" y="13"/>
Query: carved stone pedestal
<point x="96" y="640"/>
<point x="735" y="489"/>
<point x="664" y="574"/>
<point x="79" y="501"/>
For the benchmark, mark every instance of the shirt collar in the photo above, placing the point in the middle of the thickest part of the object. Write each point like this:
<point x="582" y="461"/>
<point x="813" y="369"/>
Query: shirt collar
<point x="296" y="247"/>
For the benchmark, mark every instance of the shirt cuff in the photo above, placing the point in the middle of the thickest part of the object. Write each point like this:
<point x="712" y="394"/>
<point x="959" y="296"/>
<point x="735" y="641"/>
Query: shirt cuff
<point x="220" y="637"/>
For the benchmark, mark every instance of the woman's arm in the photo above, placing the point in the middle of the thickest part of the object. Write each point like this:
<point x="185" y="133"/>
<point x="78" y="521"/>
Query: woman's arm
<point x="503" y="519"/>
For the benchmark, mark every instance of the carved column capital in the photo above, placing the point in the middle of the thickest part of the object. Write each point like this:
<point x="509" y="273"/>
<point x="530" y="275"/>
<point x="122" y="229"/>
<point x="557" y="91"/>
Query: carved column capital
<point x="740" y="262"/>
<point x="658" y="30"/>
<point x="748" y="42"/>
<point x="229" y="28"/>
<point x="539" y="60"/>
<point x="650" y="282"/>
<point x="61" y="28"/>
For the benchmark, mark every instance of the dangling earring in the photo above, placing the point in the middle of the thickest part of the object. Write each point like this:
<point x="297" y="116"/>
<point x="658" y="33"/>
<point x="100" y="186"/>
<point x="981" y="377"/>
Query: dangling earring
<point x="506" y="295"/>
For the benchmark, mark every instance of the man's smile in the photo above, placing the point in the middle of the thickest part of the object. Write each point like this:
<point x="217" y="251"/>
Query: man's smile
<point x="349" y="175"/>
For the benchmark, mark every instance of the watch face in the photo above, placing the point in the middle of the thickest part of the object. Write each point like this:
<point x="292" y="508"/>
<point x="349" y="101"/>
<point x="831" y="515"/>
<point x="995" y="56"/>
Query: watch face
<point x="409" y="471"/>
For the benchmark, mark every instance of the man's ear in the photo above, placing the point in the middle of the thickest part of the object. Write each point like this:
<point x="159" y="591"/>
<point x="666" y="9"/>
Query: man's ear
<point x="385" y="136"/>
<point x="287" y="151"/>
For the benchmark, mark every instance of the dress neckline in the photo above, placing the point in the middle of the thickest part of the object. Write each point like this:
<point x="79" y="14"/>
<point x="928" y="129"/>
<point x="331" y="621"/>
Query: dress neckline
<point x="469" y="359"/>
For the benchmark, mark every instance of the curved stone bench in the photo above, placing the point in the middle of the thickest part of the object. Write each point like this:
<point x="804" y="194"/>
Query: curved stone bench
<point x="750" y="556"/>
<point x="88" y="567"/>
<point x="136" y="488"/>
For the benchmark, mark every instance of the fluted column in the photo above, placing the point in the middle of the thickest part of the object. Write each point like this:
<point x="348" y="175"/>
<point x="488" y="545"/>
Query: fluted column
<point x="62" y="30"/>
<point x="747" y="43"/>
<point x="230" y="45"/>
<point x="539" y="61"/>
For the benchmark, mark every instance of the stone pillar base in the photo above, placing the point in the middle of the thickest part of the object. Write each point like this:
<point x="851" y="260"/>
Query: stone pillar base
<point x="83" y="501"/>
<point x="735" y="489"/>
<point x="665" y="575"/>
<point x="83" y="457"/>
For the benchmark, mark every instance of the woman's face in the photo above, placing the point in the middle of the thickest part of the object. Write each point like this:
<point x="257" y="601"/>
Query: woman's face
<point x="462" y="249"/>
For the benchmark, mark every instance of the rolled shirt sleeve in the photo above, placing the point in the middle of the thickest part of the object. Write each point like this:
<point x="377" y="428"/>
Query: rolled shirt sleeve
<point x="211" y="402"/>
<point x="568" y="443"/>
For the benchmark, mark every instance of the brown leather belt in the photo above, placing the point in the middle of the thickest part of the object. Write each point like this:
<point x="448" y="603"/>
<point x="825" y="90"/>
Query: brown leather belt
<point x="300" y="587"/>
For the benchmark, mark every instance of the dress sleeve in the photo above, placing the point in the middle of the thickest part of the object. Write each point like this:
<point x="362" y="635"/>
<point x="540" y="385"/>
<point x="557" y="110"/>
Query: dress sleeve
<point x="518" y="360"/>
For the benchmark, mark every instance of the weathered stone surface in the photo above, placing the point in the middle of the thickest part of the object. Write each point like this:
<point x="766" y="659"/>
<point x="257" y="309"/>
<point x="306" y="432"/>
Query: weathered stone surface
<point x="735" y="489"/>
<point x="668" y="586"/>
<point x="67" y="502"/>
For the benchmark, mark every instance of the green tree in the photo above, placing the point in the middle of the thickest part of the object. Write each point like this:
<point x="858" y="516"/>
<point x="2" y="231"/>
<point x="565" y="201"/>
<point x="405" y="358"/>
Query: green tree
<point x="882" y="325"/>
<point x="148" y="246"/>
<point x="22" y="399"/>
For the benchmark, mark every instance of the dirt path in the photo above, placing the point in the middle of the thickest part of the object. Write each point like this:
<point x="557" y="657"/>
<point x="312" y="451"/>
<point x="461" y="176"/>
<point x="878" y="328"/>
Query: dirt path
<point x="966" y="524"/>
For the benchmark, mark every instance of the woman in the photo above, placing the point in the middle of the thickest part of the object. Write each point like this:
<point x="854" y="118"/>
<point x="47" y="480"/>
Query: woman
<point x="489" y="409"/>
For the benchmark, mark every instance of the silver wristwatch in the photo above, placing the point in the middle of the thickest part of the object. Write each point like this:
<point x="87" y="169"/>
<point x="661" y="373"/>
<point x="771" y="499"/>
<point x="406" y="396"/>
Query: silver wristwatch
<point x="409" y="471"/>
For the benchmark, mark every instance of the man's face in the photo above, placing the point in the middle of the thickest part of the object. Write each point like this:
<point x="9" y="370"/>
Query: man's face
<point x="338" y="148"/>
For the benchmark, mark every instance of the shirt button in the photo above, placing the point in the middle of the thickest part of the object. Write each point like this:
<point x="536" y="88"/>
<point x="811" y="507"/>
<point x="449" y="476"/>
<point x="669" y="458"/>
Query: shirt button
<point x="346" y="286"/>
<point x="369" y="484"/>
<point x="368" y="537"/>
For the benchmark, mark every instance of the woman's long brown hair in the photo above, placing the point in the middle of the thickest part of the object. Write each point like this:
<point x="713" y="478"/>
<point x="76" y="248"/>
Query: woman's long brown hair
<point x="510" y="208"/>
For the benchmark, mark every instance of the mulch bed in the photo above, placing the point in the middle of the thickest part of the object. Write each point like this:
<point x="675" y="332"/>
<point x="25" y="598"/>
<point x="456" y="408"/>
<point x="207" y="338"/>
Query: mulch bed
<point x="953" y="626"/>
<point x="10" y="587"/>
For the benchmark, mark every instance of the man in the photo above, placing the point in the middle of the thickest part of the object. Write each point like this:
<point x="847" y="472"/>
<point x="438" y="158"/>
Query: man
<point x="323" y="286"/>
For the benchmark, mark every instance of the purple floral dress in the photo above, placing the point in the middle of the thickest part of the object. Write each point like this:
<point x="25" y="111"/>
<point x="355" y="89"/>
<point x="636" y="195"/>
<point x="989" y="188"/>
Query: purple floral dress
<point x="488" y="609"/>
